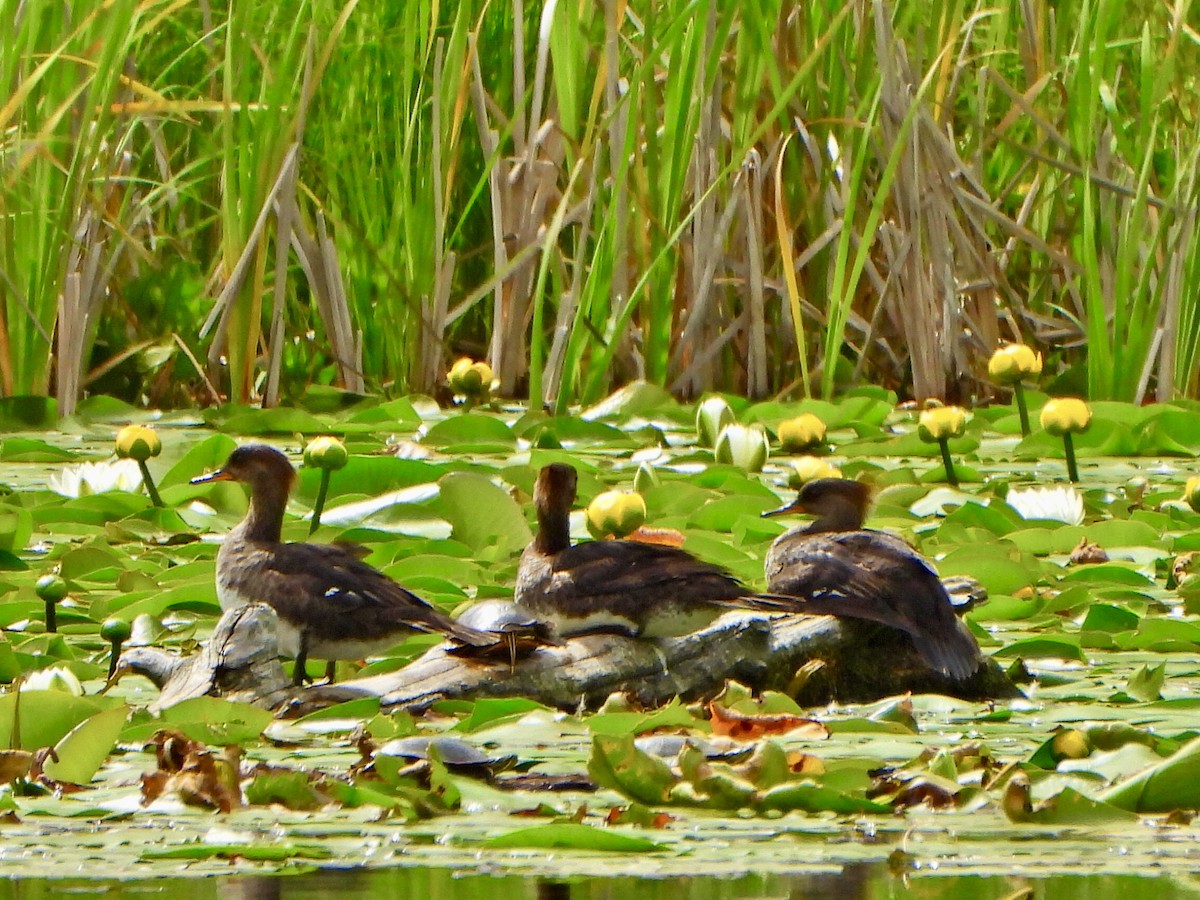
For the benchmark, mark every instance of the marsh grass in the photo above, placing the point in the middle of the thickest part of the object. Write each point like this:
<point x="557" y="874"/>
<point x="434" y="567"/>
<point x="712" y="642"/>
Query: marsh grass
<point x="761" y="198"/>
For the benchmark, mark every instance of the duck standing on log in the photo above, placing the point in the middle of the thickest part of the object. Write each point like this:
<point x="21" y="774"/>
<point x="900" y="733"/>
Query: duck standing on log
<point x="330" y="604"/>
<point x="834" y="566"/>
<point x="627" y="587"/>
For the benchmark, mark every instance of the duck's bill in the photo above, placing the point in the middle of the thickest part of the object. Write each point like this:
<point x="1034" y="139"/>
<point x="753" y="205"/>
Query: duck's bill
<point x="219" y="475"/>
<point x="794" y="507"/>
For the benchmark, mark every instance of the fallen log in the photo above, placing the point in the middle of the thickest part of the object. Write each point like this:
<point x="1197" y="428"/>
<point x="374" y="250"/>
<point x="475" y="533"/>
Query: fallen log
<point x="816" y="659"/>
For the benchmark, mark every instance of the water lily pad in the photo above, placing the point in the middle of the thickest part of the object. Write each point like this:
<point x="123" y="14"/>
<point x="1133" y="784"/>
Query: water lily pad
<point x="574" y="836"/>
<point x="30" y="450"/>
<point x="261" y="422"/>
<point x="83" y="750"/>
<point x="618" y="764"/>
<point x="46" y="717"/>
<point x="482" y="514"/>
<point x="472" y="430"/>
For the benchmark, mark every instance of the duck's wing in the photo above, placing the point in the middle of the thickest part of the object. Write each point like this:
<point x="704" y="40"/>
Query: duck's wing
<point x="330" y="584"/>
<point x="632" y="567"/>
<point x="875" y="576"/>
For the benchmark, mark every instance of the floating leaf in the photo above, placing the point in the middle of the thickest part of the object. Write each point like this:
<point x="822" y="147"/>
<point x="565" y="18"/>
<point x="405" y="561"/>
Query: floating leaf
<point x="470" y="431"/>
<point x="1146" y="683"/>
<point x="811" y="797"/>
<point x="288" y="787"/>
<point x="573" y="836"/>
<point x="616" y="763"/>
<point x="482" y="514"/>
<point x="47" y="716"/>
<point x="83" y="750"/>
<point x="1171" y="784"/>
<point x="275" y="420"/>
<point x="214" y="721"/>
<point x="490" y="711"/>
<point x="260" y="852"/>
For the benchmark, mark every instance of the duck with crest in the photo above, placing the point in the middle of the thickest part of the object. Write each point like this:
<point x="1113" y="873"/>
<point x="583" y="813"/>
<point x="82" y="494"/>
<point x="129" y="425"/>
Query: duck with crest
<point x="330" y="604"/>
<point x="834" y="566"/>
<point x="622" y="586"/>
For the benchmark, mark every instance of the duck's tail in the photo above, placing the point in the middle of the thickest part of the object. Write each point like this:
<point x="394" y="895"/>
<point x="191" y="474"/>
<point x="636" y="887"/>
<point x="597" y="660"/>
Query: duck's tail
<point x="952" y="651"/>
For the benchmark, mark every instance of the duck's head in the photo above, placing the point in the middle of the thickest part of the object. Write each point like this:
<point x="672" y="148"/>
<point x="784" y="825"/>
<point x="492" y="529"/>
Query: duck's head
<point x="838" y="503"/>
<point x="554" y="493"/>
<point x="256" y="465"/>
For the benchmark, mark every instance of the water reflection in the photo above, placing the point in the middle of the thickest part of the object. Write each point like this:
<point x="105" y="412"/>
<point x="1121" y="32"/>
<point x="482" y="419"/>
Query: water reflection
<point x="868" y="881"/>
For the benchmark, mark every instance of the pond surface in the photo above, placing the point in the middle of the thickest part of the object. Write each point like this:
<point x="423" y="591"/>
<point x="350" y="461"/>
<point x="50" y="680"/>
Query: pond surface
<point x="859" y="881"/>
<point x="1108" y="654"/>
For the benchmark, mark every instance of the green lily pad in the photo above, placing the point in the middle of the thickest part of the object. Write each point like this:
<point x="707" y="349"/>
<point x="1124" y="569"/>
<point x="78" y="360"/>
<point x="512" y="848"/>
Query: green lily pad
<point x="573" y="836"/>
<point x="482" y="515"/>
<point x="616" y="763"/>
<point x="469" y="430"/>
<point x="84" y="748"/>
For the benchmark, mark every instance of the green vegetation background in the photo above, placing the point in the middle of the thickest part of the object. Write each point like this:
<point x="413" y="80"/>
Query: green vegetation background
<point x="200" y="201"/>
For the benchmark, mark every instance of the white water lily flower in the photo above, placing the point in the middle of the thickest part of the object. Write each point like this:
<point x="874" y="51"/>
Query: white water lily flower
<point x="1063" y="504"/>
<point x="55" y="678"/>
<point x="745" y="446"/>
<point x="713" y="415"/>
<point x="96" y="478"/>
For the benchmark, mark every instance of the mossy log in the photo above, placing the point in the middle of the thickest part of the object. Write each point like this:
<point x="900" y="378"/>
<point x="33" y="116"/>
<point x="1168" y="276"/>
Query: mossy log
<point x="814" y="658"/>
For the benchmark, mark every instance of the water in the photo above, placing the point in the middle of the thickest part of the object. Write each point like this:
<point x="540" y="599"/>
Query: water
<point x="872" y="881"/>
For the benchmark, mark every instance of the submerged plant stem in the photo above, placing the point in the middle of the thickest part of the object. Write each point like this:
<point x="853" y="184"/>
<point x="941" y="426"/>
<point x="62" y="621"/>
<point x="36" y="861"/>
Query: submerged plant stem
<point x="149" y="482"/>
<point x="1022" y="409"/>
<point x="319" y="506"/>
<point x="948" y="462"/>
<point x="1069" y="448"/>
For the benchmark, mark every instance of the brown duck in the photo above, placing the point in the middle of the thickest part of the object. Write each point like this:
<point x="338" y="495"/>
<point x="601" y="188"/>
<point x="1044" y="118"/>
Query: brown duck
<point x="330" y="604"/>
<point x="836" y="567"/>
<point x="627" y="587"/>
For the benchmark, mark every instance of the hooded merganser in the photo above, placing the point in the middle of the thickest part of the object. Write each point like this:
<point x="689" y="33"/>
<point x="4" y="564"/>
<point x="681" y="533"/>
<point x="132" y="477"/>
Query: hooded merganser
<point x="330" y="604"/>
<point x="836" y="567"/>
<point x="628" y="587"/>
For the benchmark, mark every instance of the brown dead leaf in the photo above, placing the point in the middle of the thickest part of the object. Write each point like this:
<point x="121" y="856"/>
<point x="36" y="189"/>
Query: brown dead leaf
<point x="640" y="816"/>
<point x="745" y="727"/>
<point x="805" y="763"/>
<point x="1087" y="552"/>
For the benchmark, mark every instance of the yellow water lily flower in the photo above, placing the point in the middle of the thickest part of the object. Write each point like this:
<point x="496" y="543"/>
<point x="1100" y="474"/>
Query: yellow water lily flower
<point x="942" y="423"/>
<point x="470" y="378"/>
<point x="615" y="512"/>
<point x="1013" y="363"/>
<point x="138" y="442"/>
<point x="810" y="468"/>
<point x="1191" y="492"/>
<point x="1066" y="415"/>
<point x="804" y="431"/>
<point x="326" y="453"/>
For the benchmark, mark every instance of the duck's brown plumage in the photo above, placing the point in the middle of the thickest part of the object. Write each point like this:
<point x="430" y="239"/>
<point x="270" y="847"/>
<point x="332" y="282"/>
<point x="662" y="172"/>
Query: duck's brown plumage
<point x="834" y="566"/>
<point x="331" y="605"/>
<point x="626" y="586"/>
